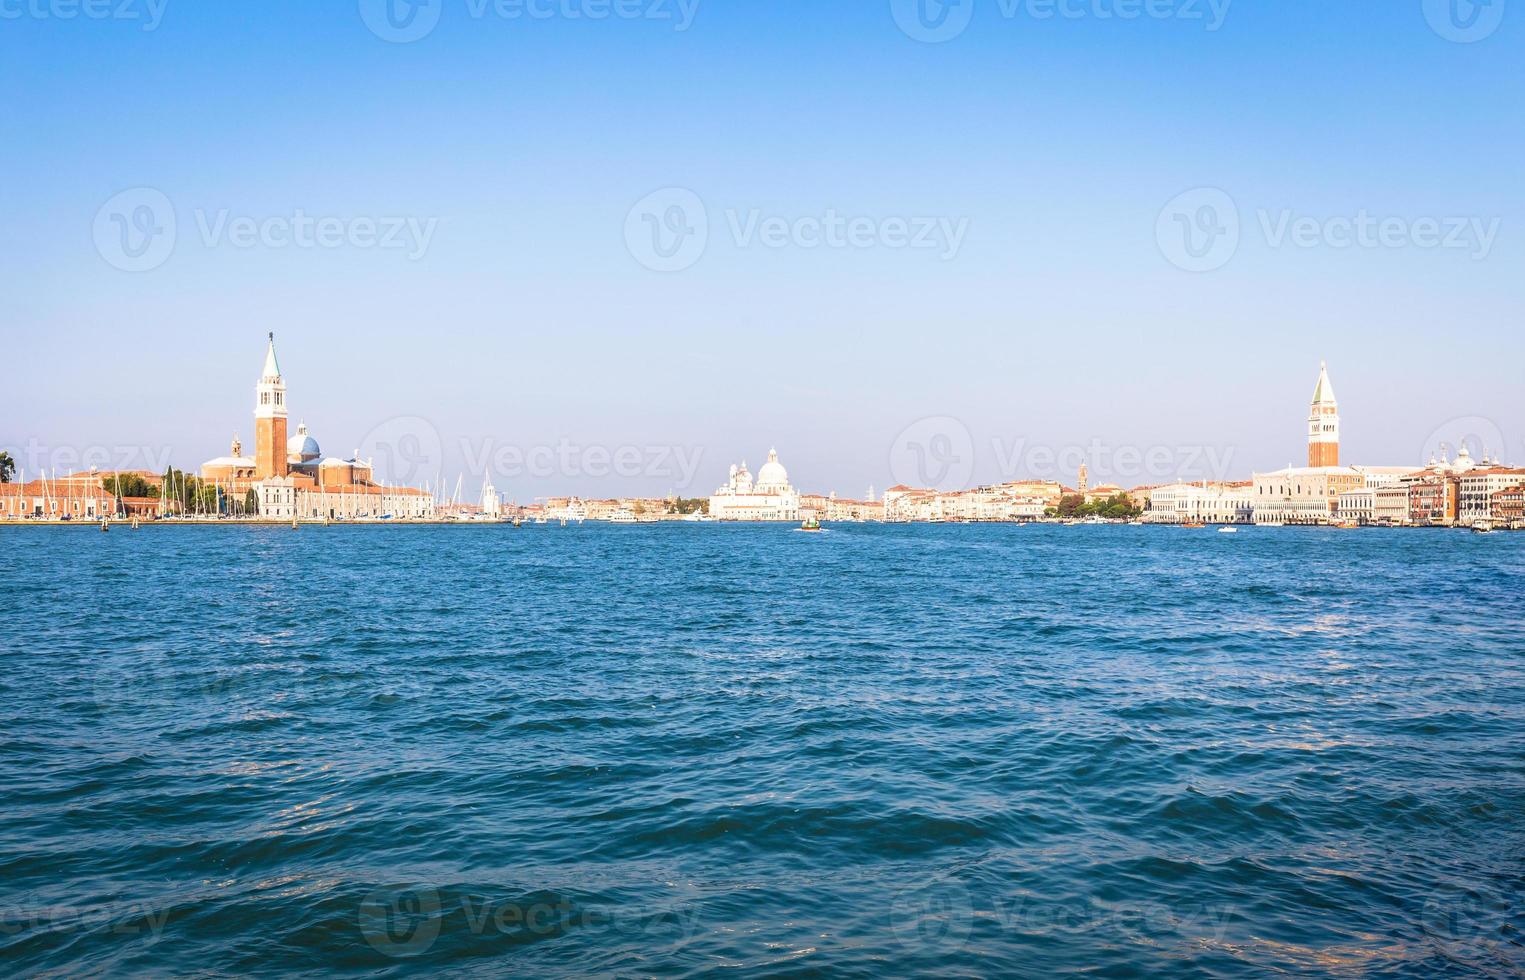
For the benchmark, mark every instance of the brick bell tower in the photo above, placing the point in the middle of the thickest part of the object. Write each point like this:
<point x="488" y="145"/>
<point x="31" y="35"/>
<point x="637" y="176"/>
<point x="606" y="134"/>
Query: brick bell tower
<point x="270" y="420"/>
<point x="1324" y="423"/>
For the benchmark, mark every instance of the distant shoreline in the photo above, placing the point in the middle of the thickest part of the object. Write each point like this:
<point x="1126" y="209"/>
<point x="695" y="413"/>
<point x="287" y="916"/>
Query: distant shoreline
<point x="435" y="522"/>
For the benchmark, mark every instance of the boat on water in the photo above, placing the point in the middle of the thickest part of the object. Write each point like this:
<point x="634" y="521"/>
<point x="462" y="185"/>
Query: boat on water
<point x="810" y="524"/>
<point x="1228" y="530"/>
<point x="1483" y="527"/>
<point x="623" y="516"/>
<point x="1193" y="524"/>
<point x="698" y="517"/>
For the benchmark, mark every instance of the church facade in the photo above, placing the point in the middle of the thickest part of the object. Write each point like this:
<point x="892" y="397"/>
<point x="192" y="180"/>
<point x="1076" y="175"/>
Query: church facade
<point x="768" y="498"/>
<point x="292" y="480"/>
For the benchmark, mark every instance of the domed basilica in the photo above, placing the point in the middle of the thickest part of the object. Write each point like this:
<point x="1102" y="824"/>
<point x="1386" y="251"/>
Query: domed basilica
<point x="768" y="498"/>
<point x="290" y="477"/>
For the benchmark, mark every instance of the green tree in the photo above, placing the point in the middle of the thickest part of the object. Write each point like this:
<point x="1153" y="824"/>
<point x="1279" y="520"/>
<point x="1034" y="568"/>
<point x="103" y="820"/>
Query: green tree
<point x="129" y="485"/>
<point x="7" y="467"/>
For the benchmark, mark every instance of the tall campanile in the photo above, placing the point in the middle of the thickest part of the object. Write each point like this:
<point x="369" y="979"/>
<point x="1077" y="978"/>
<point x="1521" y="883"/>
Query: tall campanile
<point x="1324" y="423"/>
<point x="270" y="420"/>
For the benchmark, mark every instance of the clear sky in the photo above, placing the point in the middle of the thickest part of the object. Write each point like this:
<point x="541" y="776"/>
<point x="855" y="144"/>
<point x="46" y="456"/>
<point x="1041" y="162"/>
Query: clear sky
<point x="594" y="238"/>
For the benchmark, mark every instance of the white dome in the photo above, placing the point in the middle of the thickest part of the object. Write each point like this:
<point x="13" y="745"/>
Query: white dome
<point x="773" y="473"/>
<point x="303" y="446"/>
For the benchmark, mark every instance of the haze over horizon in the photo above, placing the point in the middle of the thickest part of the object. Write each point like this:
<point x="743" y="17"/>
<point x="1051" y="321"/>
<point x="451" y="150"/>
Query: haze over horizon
<point x="826" y="231"/>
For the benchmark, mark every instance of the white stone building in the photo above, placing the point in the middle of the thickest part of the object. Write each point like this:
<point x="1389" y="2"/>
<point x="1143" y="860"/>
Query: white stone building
<point x="1475" y="489"/>
<point x="1302" y="494"/>
<point x="769" y="498"/>
<point x="1201" y="503"/>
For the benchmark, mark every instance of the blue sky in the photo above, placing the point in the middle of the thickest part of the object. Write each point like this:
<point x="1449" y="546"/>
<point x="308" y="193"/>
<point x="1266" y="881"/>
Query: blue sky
<point x="529" y="316"/>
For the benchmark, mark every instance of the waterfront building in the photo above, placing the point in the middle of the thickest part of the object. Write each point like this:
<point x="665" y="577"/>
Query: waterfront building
<point x="1358" y="505"/>
<point x="1201" y="503"/>
<point x="290" y="478"/>
<point x="1381" y="499"/>
<point x="1311" y="494"/>
<point x="769" y="498"/>
<point x="1082" y="480"/>
<point x="1509" y="507"/>
<point x="830" y="507"/>
<point x="1004" y="502"/>
<point x="55" y="500"/>
<point x="1105" y="491"/>
<point x="1432" y="493"/>
<point x="296" y="497"/>
<point x="232" y="469"/>
<point x="1390" y="504"/>
<point x="1324" y="423"/>
<point x="1302" y="494"/>
<point x="1477" y="490"/>
<point x="1432" y="500"/>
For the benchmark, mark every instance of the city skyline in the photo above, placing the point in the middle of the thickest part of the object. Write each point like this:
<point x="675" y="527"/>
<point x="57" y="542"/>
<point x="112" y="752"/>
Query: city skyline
<point x="935" y="453"/>
<point x="1056" y="305"/>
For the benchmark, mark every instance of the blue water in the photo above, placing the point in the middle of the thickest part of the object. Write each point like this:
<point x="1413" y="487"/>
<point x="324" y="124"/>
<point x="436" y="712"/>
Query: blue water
<point x="692" y="750"/>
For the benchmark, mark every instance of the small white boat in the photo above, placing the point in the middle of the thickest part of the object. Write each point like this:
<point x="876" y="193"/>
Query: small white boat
<point x="623" y="516"/>
<point x="1228" y="530"/>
